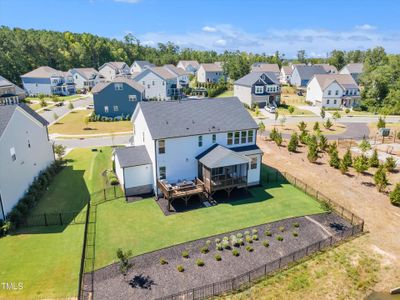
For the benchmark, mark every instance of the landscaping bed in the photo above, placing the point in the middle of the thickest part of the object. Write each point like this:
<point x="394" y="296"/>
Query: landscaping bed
<point x="150" y="279"/>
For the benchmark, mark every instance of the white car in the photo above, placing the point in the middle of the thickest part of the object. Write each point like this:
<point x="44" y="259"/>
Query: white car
<point x="271" y="109"/>
<point x="90" y="106"/>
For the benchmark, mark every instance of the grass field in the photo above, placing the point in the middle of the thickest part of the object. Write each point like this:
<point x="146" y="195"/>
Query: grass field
<point x="47" y="259"/>
<point x="142" y="227"/>
<point x="228" y="93"/>
<point x="297" y="111"/>
<point x="73" y="123"/>
<point x="290" y="127"/>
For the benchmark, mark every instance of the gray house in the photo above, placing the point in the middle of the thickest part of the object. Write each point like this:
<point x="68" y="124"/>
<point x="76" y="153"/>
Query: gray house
<point x="354" y="69"/>
<point x="25" y="150"/>
<point x="301" y="75"/>
<point x="259" y="88"/>
<point x="9" y="92"/>
<point x="117" y="98"/>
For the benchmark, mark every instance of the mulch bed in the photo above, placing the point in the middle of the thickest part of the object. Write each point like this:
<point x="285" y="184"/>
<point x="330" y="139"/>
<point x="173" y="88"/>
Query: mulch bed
<point x="149" y="279"/>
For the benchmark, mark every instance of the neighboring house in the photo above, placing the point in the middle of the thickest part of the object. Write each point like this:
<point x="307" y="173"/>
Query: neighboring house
<point x="113" y="69"/>
<point x="9" y="92"/>
<point x="183" y="76"/>
<point x="160" y="84"/>
<point x="86" y="78"/>
<point x="140" y="65"/>
<point x="354" y="69"/>
<point x="329" y="69"/>
<point x="117" y="98"/>
<point x="25" y="150"/>
<point x="190" y="66"/>
<point x="210" y="73"/>
<point x="301" y="75"/>
<point x="259" y="88"/>
<point x="48" y="81"/>
<point x="285" y="74"/>
<point x="210" y="141"/>
<point x="265" y="67"/>
<point x="333" y="91"/>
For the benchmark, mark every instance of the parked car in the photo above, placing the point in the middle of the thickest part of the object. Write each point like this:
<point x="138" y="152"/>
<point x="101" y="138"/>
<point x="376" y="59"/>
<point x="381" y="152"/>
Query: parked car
<point x="270" y="108"/>
<point x="299" y="93"/>
<point x="90" y="106"/>
<point x="61" y="103"/>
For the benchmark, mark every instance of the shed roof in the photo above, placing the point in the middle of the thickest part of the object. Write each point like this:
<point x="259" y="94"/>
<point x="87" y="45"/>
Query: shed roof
<point x="132" y="156"/>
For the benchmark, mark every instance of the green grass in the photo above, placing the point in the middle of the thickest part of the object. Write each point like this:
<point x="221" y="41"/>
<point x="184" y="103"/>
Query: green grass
<point x="142" y="227"/>
<point x="47" y="259"/>
<point x="228" y="93"/>
<point x="297" y="111"/>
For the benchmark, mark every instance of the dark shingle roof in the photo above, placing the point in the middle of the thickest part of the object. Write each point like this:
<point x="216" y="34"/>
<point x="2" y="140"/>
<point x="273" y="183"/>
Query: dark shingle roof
<point x="220" y="156"/>
<point x="167" y="119"/>
<point x="7" y="111"/>
<point x="143" y="63"/>
<point x="101" y="85"/>
<point x="307" y="72"/>
<point x="132" y="156"/>
<point x="251" y="78"/>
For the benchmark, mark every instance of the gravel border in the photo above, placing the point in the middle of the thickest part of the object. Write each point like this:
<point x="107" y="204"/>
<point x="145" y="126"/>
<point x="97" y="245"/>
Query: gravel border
<point x="149" y="279"/>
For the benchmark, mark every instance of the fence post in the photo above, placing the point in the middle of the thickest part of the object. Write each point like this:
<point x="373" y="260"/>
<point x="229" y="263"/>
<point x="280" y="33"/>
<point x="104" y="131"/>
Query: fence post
<point x="104" y="192"/>
<point x="319" y="246"/>
<point x="61" y="221"/>
<point x="45" y="219"/>
<point x="352" y="216"/>
<point x="280" y="259"/>
<point x="331" y="240"/>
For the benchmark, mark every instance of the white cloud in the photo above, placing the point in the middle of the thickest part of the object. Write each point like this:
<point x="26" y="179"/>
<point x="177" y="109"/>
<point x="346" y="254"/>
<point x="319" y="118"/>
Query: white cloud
<point x="127" y="1"/>
<point x="209" y="29"/>
<point x="316" y="42"/>
<point x="365" y="27"/>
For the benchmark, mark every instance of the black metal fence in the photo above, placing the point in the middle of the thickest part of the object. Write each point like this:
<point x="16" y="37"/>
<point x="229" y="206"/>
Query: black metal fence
<point x="107" y="194"/>
<point x="51" y="219"/>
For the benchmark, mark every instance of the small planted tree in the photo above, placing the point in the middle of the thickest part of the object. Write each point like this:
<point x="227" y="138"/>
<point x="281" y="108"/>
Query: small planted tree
<point x="70" y="105"/>
<point x="124" y="264"/>
<point x="256" y="110"/>
<point x="278" y="139"/>
<point x="380" y="179"/>
<point x="364" y="145"/>
<point x="323" y="112"/>
<point x="332" y="147"/>
<point x="323" y="142"/>
<point x="43" y="103"/>
<point x="381" y="123"/>
<point x="334" y="160"/>
<point x="293" y="143"/>
<point x="86" y="121"/>
<point x="336" y="115"/>
<point x="291" y="109"/>
<point x="303" y="137"/>
<point x="316" y="126"/>
<point x="347" y="158"/>
<point x="273" y="134"/>
<point x="328" y="124"/>
<point x="302" y="126"/>
<point x="59" y="151"/>
<point x="360" y="164"/>
<point x="374" y="160"/>
<point x="312" y="154"/>
<point x="276" y="115"/>
<point x="390" y="164"/>
<point x="395" y="195"/>
<point x="261" y="127"/>
<point x="343" y="167"/>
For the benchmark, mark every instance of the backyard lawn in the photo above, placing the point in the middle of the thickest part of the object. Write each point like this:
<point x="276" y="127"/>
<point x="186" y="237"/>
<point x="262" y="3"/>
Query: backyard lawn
<point x="228" y="93"/>
<point x="47" y="259"/>
<point x="297" y="111"/>
<point x="73" y="123"/>
<point x="142" y="227"/>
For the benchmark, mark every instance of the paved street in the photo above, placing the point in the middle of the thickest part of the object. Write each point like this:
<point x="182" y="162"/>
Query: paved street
<point x="94" y="142"/>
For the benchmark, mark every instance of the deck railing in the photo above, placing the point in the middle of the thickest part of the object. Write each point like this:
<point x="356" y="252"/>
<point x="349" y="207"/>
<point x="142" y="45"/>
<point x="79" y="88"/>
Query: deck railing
<point x="198" y="187"/>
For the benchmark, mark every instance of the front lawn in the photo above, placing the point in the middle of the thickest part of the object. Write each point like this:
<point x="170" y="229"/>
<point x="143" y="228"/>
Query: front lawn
<point x="228" y="93"/>
<point x="47" y="259"/>
<point x="73" y="123"/>
<point x="142" y="227"/>
<point x="60" y="98"/>
<point x="297" y="111"/>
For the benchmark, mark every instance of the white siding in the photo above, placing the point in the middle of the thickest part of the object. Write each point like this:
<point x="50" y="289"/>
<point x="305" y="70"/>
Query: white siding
<point x="119" y="171"/>
<point x="314" y="92"/>
<point x="108" y="73"/>
<point x="16" y="176"/>
<point x="158" y="90"/>
<point x="254" y="174"/>
<point x="34" y="89"/>
<point x="201" y="74"/>
<point x="138" y="176"/>
<point x="243" y="93"/>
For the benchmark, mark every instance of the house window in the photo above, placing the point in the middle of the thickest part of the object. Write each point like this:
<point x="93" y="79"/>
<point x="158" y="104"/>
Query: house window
<point x="162" y="173"/>
<point x="327" y="101"/>
<point x="148" y="86"/>
<point x="244" y="137"/>
<point x="237" y="137"/>
<point x="153" y="82"/>
<point x="329" y="92"/>
<point x="200" y="141"/>
<point x="29" y="143"/>
<point x="230" y="138"/>
<point x="106" y="109"/>
<point x="118" y="86"/>
<point x="337" y="92"/>
<point x="163" y="83"/>
<point x="250" y="136"/>
<point x="144" y="83"/>
<point x="143" y="136"/>
<point x="115" y="107"/>
<point x="253" y="163"/>
<point x="161" y="146"/>
<point x="13" y="155"/>
<point x="132" y="97"/>
<point x="214" y="138"/>
<point x="259" y="89"/>
<point x="334" y="101"/>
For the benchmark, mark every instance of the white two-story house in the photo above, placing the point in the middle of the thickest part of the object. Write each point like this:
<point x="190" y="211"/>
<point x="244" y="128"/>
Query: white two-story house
<point x="112" y="69"/>
<point x="25" y="150"/>
<point x="333" y="91"/>
<point x="86" y="78"/>
<point x="190" y="66"/>
<point x="210" y="73"/>
<point x="140" y="65"/>
<point x="183" y="76"/>
<point x="160" y="84"/>
<point x="261" y="88"/>
<point x="208" y="143"/>
<point x="48" y="81"/>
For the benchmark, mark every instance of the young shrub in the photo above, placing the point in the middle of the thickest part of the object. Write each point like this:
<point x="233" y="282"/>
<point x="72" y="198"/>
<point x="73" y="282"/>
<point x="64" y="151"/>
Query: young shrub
<point x="295" y="233"/>
<point x="235" y="252"/>
<point x="293" y="143"/>
<point x="390" y="164"/>
<point x="374" y="160"/>
<point x="247" y="232"/>
<point x="328" y="124"/>
<point x="199" y="262"/>
<point x="343" y="167"/>
<point x="217" y="257"/>
<point x="204" y="250"/>
<point x="312" y="154"/>
<point x="239" y="235"/>
<point x="225" y="244"/>
<point x="334" y="160"/>
<point x="249" y="239"/>
<point x="279" y="238"/>
<point x="279" y="139"/>
<point x="302" y="126"/>
<point x="347" y="110"/>
<point x="316" y="126"/>
<point x="267" y="233"/>
<point x="380" y="179"/>
<point x="291" y="109"/>
<point x="180" y="268"/>
<point x="273" y="134"/>
<point x="219" y="247"/>
<point x="381" y="123"/>
<point x="395" y="195"/>
<point x="296" y="224"/>
<point x="241" y="241"/>
<point x="163" y="261"/>
<point x="254" y="231"/>
<point x="303" y="137"/>
<point x="232" y="237"/>
<point x="364" y="146"/>
<point x="323" y="113"/>
<point x="266" y="244"/>
<point x="235" y="242"/>
<point x="124" y="264"/>
<point x="185" y="254"/>
<point x="348" y="159"/>
<point x="281" y="228"/>
<point x="225" y="238"/>
<point x="249" y="248"/>
<point x="217" y="240"/>
<point x="255" y="237"/>
<point x="208" y="243"/>
<point x="323" y="143"/>
<point x="360" y="164"/>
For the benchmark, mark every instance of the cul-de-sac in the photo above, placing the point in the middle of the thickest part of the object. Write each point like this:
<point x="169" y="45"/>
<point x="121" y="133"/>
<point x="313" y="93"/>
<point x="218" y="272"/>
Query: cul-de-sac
<point x="182" y="150"/>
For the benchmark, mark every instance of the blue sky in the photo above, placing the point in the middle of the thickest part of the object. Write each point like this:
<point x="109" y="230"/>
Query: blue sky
<point x="318" y="26"/>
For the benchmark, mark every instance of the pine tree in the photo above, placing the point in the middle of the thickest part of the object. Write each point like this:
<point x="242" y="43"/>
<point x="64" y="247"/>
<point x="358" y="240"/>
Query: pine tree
<point x="381" y="123"/>
<point x="347" y="158"/>
<point x="328" y="124"/>
<point x="302" y="126"/>
<point x="323" y="112"/>
<point x="316" y="126"/>
<point x="374" y="160"/>
<point x="332" y="147"/>
<point x="343" y="167"/>
<point x="273" y="134"/>
<point x="312" y="154"/>
<point x="261" y="127"/>
<point x="303" y="137"/>
<point x="364" y="145"/>
<point x="278" y="139"/>
<point x="390" y="164"/>
<point x="360" y="164"/>
<point x="323" y="143"/>
<point x="334" y="160"/>
<point x="380" y="179"/>
<point x="395" y="195"/>
<point x="293" y="143"/>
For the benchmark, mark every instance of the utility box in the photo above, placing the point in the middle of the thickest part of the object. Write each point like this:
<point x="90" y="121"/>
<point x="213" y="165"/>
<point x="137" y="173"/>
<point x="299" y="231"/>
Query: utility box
<point x="384" y="131"/>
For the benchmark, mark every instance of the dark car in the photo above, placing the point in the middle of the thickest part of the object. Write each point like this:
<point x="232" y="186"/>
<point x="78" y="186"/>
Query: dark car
<point x="59" y="103"/>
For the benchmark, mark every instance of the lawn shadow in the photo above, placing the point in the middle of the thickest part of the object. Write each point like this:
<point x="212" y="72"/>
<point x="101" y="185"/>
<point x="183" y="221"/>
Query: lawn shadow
<point x="64" y="203"/>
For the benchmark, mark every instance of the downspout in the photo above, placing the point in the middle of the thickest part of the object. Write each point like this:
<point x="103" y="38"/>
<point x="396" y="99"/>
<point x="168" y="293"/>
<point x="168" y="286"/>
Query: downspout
<point x="156" y="169"/>
<point x="2" y="208"/>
